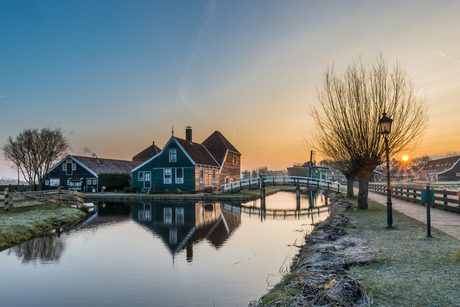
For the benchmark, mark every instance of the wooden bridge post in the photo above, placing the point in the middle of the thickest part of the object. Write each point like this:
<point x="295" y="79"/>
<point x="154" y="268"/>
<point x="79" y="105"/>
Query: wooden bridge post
<point x="262" y="188"/>
<point x="6" y="198"/>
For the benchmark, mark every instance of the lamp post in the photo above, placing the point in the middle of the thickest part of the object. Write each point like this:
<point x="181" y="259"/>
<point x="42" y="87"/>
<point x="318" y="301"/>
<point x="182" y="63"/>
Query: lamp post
<point x="385" y="129"/>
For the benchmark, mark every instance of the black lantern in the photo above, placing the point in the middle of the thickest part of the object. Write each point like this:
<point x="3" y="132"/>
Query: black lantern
<point x="385" y="124"/>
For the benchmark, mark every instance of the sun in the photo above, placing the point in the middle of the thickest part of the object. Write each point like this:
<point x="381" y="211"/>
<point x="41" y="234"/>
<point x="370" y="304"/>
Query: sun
<point x="405" y="158"/>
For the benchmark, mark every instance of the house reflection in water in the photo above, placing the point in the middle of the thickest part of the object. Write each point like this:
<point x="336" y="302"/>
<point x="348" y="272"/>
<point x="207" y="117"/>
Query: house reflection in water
<point x="181" y="225"/>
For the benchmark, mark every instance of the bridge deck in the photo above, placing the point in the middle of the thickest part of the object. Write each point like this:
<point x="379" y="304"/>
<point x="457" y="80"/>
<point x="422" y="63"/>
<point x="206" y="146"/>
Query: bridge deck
<point x="258" y="183"/>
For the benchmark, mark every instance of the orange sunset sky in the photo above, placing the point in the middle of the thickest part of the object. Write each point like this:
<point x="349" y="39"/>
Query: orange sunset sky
<point x="115" y="76"/>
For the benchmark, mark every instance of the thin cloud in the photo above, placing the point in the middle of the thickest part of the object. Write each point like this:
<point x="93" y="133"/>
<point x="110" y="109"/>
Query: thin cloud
<point x="208" y="13"/>
<point x="446" y="56"/>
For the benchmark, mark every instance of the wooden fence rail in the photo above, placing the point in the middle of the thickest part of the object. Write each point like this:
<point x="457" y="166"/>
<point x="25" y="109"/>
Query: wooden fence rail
<point x="448" y="200"/>
<point x="36" y="199"/>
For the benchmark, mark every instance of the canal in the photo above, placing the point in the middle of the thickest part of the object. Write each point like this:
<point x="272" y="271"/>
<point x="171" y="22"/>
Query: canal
<point x="162" y="254"/>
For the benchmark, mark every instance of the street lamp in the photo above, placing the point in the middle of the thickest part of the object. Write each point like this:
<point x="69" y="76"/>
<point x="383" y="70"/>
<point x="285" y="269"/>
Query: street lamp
<point x="385" y="129"/>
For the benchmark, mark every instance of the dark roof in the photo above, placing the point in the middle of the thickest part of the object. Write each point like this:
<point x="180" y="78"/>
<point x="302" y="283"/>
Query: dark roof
<point x="101" y="165"/>
<point x="147" y="153"/>
<point x="440" y="165"/>
<point x="197" y="152"/>
<point x="218" y="145"/>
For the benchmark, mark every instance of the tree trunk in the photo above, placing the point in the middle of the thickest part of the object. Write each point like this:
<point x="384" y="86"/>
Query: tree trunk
<point x="350" y="192"/>
<point x="363" y="177"/>
<point x="363" y="193"/>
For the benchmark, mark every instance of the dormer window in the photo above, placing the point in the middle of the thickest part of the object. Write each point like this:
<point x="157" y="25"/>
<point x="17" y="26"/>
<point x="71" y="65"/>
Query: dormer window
<point x="172" y="155"/>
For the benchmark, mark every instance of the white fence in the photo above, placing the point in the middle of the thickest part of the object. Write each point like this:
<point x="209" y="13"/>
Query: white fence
<point x="257" y="183"/>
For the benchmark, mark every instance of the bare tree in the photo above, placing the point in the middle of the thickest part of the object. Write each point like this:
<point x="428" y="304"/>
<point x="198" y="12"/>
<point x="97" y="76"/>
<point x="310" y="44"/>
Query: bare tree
<point x="348" y="111"/>
<point x="451" y="154"/>
<point x="34" y="152"/>
<point x="421" y="161"/>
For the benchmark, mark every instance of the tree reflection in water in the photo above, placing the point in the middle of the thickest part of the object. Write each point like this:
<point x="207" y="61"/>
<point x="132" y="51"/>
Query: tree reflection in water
<point x="48" y="248"/>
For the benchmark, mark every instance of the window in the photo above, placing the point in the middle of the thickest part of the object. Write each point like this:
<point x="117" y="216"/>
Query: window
<point x="235" y="160"/>
<point x="213" y="176"/>
<point x="64" y="166"/>
<point x="180" y="216"/>
<point x="167" y="216"/>
<point x="179" y="175"/>
<point x="94" y="181"/>
<point x="47" y="182"/>
<point x="140" y="176"/>
<point x="201" y="175"/>
<point x="74" y="166"/>
<point x="172" y="155"/>
<point x="69" y="169"/>
<point x="167" y="176"/>
<point x="172" y="236"/>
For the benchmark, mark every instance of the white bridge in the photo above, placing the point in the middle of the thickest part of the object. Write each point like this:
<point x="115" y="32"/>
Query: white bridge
<point x="266" y="181"/>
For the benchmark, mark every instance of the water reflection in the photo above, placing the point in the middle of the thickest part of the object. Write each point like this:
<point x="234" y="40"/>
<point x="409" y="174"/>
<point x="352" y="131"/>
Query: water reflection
<point x="171" y="254"/>
<point x="182" y="225"/>
<point x="45" y="249"/>
<point x="178" y="225"/>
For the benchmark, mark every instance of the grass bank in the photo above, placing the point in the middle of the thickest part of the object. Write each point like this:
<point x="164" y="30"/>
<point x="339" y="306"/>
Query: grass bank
<point x="411" y="269"/>
<point x="353" y="254"/>
<point x="20" y="226"/>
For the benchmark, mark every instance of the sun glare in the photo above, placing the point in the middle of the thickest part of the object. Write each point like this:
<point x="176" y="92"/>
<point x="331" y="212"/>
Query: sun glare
<point x="405" y="158"/>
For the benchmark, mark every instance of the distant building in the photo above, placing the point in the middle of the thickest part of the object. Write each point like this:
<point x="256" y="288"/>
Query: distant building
<point x="147" y="153"/>
<point x="308" y="169"/>
<point x="187" y="165"/>
<point x="246" y="174"/>
<point x="81" y="173"/>
<point x="445" y="169"/>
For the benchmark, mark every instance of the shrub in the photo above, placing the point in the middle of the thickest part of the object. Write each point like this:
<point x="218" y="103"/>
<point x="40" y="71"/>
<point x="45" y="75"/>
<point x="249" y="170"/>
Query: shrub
<point x="114" y="181"/>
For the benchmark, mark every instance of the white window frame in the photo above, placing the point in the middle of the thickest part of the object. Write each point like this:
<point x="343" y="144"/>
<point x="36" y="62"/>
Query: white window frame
<point x="201" y="175"/>
<point x="47" y="182"/>
<point x="169" y="171"/>
<point x="94" y="181"/>
<point x="173" y="155"/>
<point x="64" y="166"/>
<point x="74" y="166"/>
<point x="179" y="180"/>
<point x="214" y="175"/>
<point x="140" y="176"/>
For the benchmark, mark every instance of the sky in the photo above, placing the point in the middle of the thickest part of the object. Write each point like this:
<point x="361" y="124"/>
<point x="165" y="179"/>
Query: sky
<point x="116" y="75"/>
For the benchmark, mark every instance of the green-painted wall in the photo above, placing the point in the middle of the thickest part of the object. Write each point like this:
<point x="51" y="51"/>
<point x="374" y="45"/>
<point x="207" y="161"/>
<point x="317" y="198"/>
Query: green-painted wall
<point x="157" y="166"/>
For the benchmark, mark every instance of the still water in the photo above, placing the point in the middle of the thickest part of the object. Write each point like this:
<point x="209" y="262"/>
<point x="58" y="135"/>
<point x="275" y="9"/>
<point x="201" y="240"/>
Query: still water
<point x="162" y="254"/>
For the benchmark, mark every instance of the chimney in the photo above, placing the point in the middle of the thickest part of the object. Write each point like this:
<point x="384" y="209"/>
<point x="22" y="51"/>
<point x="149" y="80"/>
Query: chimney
<point x="188" y="133"/>
<point x="153" y="143"/>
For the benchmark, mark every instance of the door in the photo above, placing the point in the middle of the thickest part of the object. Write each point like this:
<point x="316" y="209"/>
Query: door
<point x="147" y="180"/>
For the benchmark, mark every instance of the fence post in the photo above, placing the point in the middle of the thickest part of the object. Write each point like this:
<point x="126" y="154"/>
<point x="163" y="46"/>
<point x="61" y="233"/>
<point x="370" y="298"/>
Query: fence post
<point x="59" y="196"/>
<point x="6" y="198"/>
<point x="445" y="197"/>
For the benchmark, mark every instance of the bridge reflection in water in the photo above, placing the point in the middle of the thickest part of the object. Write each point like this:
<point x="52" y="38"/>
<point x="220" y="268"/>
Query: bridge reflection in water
<point x="182" y="225"/>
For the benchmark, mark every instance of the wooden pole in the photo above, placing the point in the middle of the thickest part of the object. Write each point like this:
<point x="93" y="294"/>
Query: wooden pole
<point x="59" y="196"/>
<point x="6" y="198"/>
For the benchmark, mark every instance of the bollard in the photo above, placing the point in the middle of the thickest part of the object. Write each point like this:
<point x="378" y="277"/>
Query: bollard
<point x="427" y="197"/>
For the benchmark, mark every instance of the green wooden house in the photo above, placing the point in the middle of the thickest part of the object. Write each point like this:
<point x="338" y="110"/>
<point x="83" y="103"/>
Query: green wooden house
<point x="186" y="165"/>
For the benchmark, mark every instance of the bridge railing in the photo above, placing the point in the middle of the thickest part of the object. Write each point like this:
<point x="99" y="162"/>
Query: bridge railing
<point x="256" y="183"/>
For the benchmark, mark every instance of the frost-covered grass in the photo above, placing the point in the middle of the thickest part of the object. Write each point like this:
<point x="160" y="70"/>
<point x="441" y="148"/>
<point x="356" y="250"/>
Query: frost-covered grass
<point x="19" y="226"/>
<point x="411" y="269"/>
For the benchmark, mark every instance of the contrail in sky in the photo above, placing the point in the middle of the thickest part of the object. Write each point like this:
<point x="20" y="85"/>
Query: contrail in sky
<point x="447" y="56"/>
<point x="183" y="87"/>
